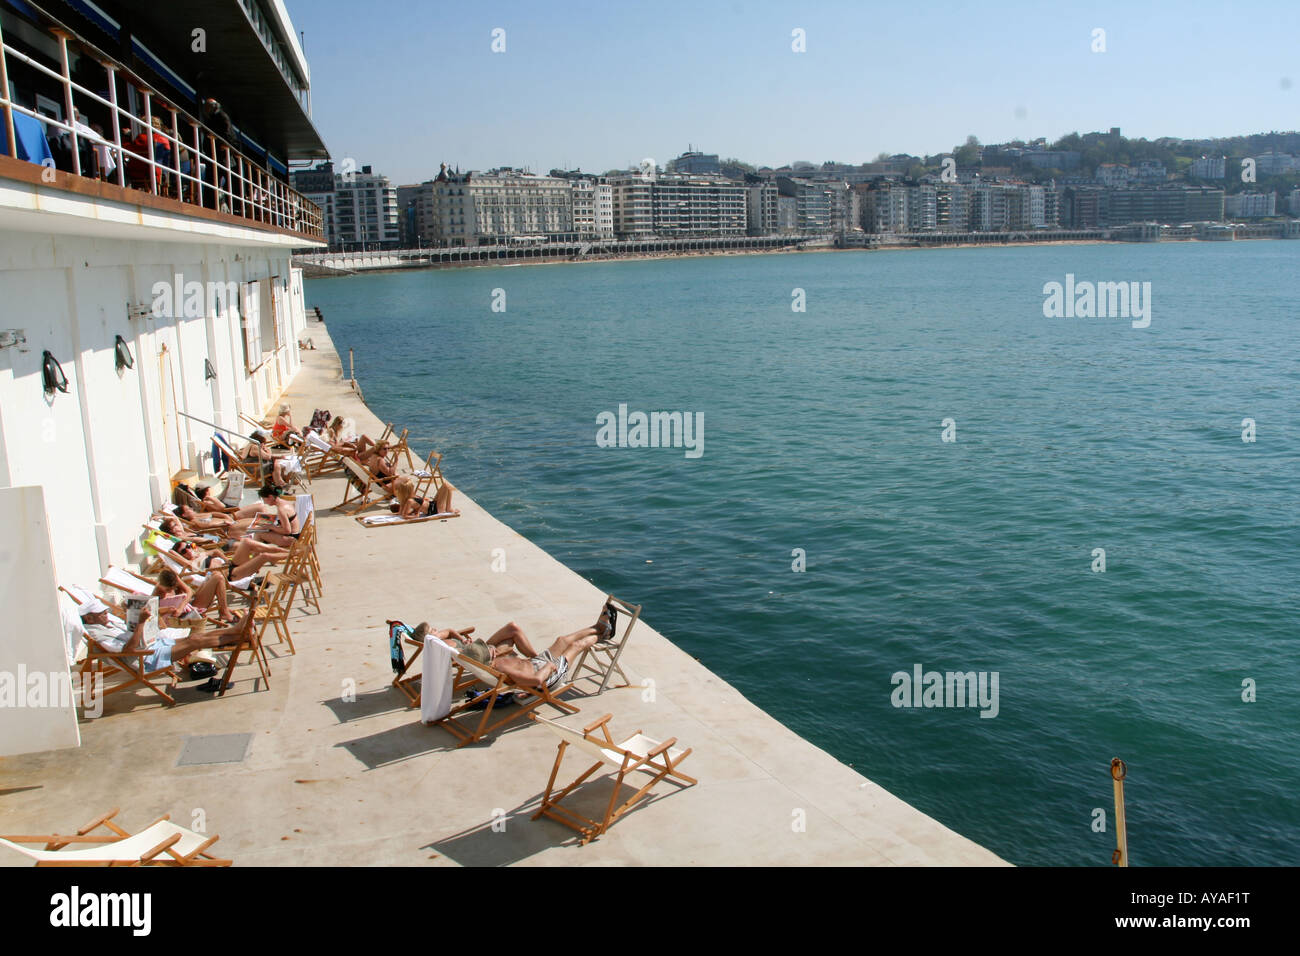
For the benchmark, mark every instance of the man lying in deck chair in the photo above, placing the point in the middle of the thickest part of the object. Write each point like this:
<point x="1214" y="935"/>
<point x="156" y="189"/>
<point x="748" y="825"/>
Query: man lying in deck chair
<point x="548" y="668"/>
<point x="169" y="646"/>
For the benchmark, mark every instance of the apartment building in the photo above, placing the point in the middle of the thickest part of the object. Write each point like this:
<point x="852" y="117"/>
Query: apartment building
<point x="359" y="208"/>
<point x="1208" y="167"/>
<point x="1250" y="205"/>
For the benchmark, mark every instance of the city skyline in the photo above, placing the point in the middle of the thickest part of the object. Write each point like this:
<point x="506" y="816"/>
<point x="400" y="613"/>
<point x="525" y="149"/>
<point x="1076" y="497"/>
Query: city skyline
<point x="725" y="79"/>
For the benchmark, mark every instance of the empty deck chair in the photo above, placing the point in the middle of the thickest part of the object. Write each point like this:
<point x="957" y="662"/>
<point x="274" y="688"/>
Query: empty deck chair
<point x="362" y="490"/>
<point x="601" y="659"/>
<point x="430" y="476"/>
<point x="103" y="662"/>
<point x="638" y="753"/>
<point x="162" y="843"/>
<point x="527" y="699"/>
<point x="400" y="447"/>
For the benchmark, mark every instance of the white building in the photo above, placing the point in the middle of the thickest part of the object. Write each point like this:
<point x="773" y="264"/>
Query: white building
<point x="760" y="209"/>
<point x="1208" y="167"/>
<point x="1250" y="205"/>
<point x="593" y="208"/>
<point x="135" y="314"/>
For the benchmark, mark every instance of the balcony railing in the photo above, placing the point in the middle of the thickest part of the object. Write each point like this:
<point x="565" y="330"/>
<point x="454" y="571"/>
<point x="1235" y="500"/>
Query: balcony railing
<point x="159" y="148"/>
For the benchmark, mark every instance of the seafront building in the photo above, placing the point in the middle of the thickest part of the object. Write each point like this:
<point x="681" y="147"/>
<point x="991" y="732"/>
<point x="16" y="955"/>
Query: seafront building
<point x="149" y="277"/>
<point x="359" y="206"/>
<point x="1250" y="205"/>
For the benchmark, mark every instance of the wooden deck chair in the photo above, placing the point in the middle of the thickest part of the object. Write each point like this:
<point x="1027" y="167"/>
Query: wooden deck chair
<point x="497" y="683"/>
<point x="430" y="476"/>
<point x="362" y="490"/>
<point x="399" y="639"/>
<point x="317" y="456"/>
<point x="273" y="612"/>
<point x="127" y="581"/>
<point x="248" y="640"/>
<point x="400" y="447"/>
<point x="162" y="843"/>
<point x="249" y="469"/>
<point x="638" y="753"/>
<point x="601" y="659"/>
<point x="102" y="663"/>
<point x="298" y="567"/>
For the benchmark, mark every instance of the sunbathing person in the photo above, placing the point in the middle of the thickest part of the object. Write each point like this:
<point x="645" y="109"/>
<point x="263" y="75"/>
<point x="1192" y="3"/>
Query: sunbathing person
<point x="204" y="521"/>
<point x="283" y="427"/>
<point x="533" y="670"/>
<point x="411" y="505"/>
<point x="284" y="523"/>
<point x="172" y="643"/>
<point x="258" y="451"/>
<point x="179" y="600"/>
<point x="209" y="502"/>
<point x="376" y="462"/>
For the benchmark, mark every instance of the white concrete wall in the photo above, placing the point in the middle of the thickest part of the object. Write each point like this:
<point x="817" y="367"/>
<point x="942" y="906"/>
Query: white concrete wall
<point x="104" y="452"/>
<point x="33" y="661"/>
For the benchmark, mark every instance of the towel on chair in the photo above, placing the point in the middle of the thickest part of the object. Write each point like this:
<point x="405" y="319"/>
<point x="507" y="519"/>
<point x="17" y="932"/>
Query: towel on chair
<point x="435" y="687"/>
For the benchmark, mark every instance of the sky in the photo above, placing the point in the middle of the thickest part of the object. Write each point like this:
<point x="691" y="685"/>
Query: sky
<point x="403" y="85"/>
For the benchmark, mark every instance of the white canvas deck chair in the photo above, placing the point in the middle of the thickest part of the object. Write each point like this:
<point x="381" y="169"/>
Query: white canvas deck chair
<point x="162" y="843"/>
<point x="638" y="753"/>
<point x="362" y="489"/>
<point x="405" y="678"/>
<point x="102" y="662"/>
<point x="601" y="659"/>
<point x="470" y="731"/>
<point x="235" y="461"/>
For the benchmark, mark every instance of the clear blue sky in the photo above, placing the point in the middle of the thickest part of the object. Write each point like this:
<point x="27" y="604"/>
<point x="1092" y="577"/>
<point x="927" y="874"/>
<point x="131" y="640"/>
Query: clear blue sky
<point x="405" y="84"/>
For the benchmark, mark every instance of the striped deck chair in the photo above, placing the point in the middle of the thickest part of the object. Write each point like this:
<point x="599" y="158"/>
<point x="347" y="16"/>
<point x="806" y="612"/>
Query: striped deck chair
<point x="637" y="754"/>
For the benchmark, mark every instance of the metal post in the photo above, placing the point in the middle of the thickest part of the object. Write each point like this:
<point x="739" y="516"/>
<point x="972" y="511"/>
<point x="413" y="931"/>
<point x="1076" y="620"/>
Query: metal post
<point x="352" y="374"/>
<point x="148" y="136"/>
<point x="1118" y="771"/>
<point x="68" y="106"/>
<point x="117" y="123"/>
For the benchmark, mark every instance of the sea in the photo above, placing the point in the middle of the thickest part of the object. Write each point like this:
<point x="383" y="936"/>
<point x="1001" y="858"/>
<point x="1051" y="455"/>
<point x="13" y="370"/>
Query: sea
<point x="906" y="465"/>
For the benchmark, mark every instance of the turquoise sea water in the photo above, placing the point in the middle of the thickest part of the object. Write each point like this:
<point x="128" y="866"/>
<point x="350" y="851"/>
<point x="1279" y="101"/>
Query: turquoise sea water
<point x="822" y="432"/>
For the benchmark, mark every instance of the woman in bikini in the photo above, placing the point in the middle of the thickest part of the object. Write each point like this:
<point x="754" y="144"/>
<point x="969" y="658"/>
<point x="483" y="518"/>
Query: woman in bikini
<point x="285" y="524"/>
<point x="409" y="505"/>
<point x="176" y="599"/>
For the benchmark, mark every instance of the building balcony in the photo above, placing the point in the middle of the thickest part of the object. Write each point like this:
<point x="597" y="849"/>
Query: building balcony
<point x="84" y="137"/>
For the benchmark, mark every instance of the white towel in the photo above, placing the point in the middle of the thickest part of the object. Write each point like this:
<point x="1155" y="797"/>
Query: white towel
<point x="435" y="687"/>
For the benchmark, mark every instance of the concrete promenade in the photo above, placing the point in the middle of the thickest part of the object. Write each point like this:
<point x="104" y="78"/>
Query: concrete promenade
<point x="330" y="782"/>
